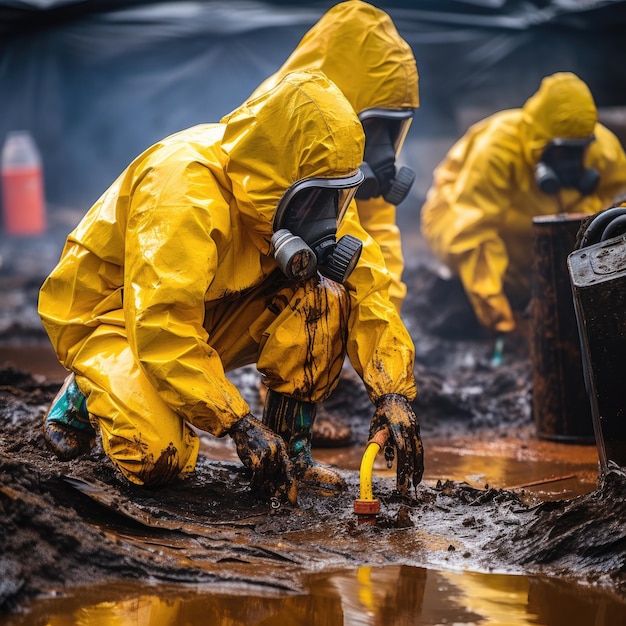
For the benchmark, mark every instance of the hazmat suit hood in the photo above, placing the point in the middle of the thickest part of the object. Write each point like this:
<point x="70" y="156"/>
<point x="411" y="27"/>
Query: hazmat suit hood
<point x="298" y="128"/>
<point x="358" y="47"/>
<point x="562" y="107"/>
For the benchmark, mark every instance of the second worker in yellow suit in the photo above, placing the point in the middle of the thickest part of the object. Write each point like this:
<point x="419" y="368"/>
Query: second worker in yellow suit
<point x="220" y="246"/>
<point x="358" y="47"/>
<point x="550" y="156"/>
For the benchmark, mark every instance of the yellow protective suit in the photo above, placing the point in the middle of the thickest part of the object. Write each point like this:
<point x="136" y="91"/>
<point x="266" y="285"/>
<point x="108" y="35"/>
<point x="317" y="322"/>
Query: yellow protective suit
<point x="169" y="281"/>
<point x="358" y="47"/>
<point x="477" y="217"/>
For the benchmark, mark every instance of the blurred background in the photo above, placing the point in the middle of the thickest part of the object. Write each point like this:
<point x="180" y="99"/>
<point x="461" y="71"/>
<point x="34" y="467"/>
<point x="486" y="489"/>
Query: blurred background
<point x="97" y="81"/>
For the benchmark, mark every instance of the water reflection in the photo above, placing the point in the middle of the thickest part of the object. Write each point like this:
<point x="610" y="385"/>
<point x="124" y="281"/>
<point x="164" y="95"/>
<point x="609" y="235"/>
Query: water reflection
<point x="369" y="596"/>
<point x="497" y="598"/>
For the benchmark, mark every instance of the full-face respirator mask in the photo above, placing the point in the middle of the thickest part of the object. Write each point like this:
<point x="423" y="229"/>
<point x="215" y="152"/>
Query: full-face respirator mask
<point x="562" y="166"/>
<point x="305" y="229"/>
<point x="385" y="132"/>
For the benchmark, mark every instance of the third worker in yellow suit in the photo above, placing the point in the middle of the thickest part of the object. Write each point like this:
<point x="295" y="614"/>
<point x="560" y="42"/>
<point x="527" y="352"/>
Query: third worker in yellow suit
<point x="550" y="156"/>
<point x="358" y="47"/>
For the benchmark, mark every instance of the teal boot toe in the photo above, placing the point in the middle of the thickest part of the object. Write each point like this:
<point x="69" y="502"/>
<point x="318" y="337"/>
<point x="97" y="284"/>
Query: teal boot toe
<point x="67" y="429"/>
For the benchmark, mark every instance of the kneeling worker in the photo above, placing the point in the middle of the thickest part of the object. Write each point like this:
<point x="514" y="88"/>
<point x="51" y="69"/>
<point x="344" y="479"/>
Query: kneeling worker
<point x="220" y="246"/>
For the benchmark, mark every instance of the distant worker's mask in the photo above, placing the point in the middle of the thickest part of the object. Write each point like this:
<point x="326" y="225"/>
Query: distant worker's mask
<point x="305" y="229"/>
<point x="385" y="132"/>
<point x="562" y="166"/>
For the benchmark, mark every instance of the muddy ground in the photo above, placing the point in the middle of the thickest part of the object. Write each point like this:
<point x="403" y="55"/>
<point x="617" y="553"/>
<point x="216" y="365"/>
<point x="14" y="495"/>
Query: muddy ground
<point x="66" y="524"/>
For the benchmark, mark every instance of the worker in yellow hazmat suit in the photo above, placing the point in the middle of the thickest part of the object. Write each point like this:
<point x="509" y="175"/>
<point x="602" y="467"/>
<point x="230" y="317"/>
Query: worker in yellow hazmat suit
<point x="550" y="156"/>
<point x="358" y="47"/>
<point x="219" y="246"/>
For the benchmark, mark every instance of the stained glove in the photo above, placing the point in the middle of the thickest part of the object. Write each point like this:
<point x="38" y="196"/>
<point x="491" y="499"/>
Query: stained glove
<point x="394" y="412"/>
<point x="264" y="452"/>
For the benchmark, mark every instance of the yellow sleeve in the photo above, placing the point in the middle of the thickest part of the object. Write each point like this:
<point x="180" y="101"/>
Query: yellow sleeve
<point x="379" y="345"/>
<point x="608" y="156"/>
<point x="378" y="218"/>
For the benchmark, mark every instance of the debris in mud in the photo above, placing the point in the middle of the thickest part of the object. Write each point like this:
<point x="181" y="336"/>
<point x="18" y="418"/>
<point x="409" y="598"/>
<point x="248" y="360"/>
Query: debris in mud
<point x="586" y="533"/>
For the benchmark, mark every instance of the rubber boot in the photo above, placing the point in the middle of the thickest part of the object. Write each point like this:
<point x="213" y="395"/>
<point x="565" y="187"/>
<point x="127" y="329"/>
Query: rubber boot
<point x="328" y="431"/>
<point x="293" y="421"/>
<point x="67" y="430"/>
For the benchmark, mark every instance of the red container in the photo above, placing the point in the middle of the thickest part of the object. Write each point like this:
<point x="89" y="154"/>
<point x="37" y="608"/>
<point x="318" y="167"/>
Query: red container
<point x="23" y="198"/>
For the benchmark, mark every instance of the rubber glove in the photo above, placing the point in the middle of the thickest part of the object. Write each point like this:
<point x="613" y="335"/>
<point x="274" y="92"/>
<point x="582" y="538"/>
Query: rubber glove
<point x="394" y="412"/>
<point x="264" y="452"/>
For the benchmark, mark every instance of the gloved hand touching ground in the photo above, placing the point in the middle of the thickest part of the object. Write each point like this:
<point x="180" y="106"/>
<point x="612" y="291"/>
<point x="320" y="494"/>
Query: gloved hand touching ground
<point x="264" y="452"/>
<point x="394" y="411"/>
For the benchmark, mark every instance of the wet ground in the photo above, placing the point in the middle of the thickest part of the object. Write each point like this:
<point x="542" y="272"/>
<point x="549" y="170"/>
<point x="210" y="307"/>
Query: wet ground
<point x="503" y="521"/>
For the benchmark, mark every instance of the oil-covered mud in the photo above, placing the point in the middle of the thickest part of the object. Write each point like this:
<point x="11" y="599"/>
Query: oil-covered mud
<point x="66" y="524"/>
<point x="78" y="522"/>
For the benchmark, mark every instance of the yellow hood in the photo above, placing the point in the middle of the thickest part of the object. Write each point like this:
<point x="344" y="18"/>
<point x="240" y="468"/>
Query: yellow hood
<point x="301" y="127"/>
<point x="562" y="107"/>
<point x="358" y="47"/>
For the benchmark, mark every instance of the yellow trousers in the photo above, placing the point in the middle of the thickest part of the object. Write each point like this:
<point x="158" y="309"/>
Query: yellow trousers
<point x="295" y="333"/>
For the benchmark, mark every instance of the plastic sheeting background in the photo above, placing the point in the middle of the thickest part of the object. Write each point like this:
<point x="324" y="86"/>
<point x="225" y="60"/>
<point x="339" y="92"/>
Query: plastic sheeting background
<point x="97" y="82"/>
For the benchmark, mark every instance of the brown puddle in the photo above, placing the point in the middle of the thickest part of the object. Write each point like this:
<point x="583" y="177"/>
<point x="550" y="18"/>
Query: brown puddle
<point x="366" y="596"/>
<point x="36" y="358"/>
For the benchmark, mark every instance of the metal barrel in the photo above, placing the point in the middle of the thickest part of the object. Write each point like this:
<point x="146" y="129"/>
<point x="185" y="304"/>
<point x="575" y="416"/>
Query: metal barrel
<point x="561" y="408"/>
<point x="598" y="277"/>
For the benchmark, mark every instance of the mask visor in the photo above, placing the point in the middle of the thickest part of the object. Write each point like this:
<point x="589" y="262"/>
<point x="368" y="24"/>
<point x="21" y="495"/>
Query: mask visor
<point x="315" y="199"/>
<point x="565" y="157"/>
<point x="399" y="122"/>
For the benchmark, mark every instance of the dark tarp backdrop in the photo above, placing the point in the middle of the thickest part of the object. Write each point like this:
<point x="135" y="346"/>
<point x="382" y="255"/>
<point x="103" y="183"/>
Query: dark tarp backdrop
<point x="96" y="81"/>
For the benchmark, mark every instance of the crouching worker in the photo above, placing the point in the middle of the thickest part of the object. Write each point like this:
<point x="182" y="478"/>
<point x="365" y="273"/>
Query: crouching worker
<point x="550" y="156"/>
<point x="220" y="246"/>
<point x="358" y="47"/>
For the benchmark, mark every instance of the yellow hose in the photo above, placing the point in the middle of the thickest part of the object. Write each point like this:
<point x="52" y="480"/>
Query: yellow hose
<point x="367" y="469"/>
<point x="366" y="507"/>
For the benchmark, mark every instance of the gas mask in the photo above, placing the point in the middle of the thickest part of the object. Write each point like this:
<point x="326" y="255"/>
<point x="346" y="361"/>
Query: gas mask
<point x="305" y="229"/>
<point x="385" y="132"/>
<point x="562" y="166"/>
